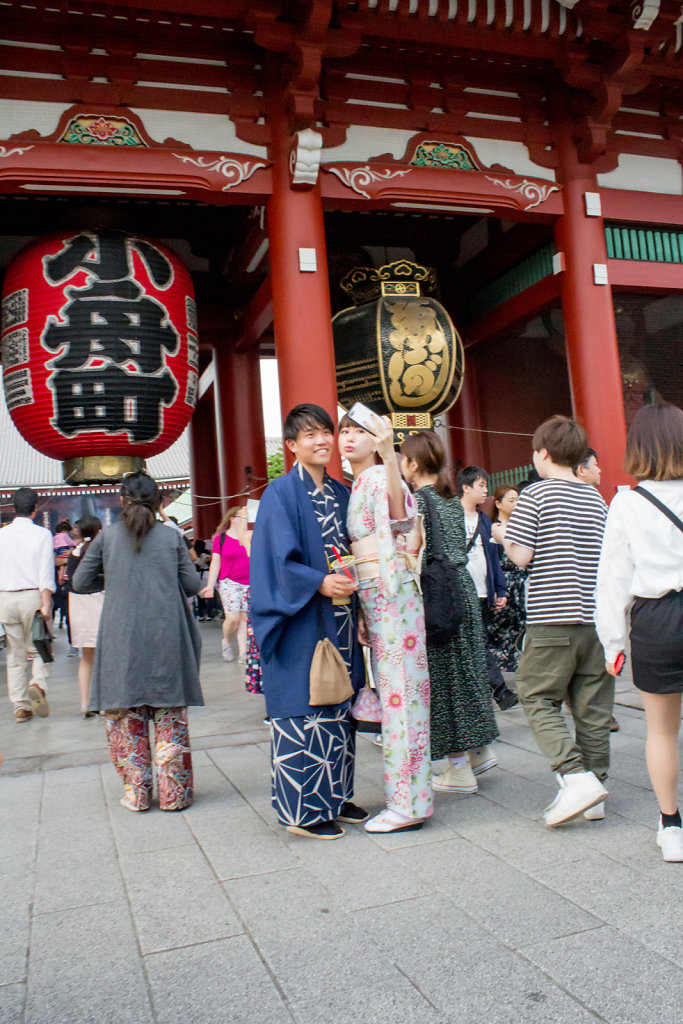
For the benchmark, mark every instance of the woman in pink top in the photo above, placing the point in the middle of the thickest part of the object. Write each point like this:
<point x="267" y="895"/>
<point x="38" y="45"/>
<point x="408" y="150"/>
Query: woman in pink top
<point x="230" y="567"/>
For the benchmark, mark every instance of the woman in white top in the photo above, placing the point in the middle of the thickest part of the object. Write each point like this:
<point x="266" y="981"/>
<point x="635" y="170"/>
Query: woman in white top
<point x="641" y="571"/>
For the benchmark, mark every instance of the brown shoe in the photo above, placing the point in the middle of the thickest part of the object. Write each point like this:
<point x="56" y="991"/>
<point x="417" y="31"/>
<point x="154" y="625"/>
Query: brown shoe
<point x="39" y="700"/>
<point x="613" y="724"/>
<point x="23" y="714"/>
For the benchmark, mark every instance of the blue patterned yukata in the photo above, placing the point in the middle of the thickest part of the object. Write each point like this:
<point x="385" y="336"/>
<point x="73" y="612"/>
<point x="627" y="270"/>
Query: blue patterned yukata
<point x="313" y="748"/>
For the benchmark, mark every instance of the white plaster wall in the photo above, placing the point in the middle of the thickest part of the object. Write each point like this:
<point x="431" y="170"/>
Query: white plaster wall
<point x="645" y="174"/>
<point x="363" y="142"/>
<point x="23" y="115"/>
<point x="213" y="132"/>
<point x="513" y="155"/>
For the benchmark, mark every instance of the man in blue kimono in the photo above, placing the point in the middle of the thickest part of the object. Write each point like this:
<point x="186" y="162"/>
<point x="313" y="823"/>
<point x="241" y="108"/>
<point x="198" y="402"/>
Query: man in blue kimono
<point x="301" y="521"/>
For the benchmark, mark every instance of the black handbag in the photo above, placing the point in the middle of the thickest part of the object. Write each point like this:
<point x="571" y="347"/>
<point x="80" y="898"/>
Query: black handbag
<point x="42" y="638"/>
<point x="444" y="603"/>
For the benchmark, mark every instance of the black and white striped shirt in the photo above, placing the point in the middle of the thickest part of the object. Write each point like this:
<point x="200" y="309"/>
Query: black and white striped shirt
<point x="563" y="522"/>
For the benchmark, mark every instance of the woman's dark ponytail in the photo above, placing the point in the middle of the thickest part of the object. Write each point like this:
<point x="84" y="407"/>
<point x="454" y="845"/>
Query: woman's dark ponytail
<point x="88" y="527"/>
<point x="140" y="498"/>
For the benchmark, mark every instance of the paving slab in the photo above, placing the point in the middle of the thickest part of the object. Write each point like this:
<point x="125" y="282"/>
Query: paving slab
<point x="296" y="922"/>
<point x="222" y="982"/>
<point x="616" y="977"/>
<point x="176" y="899"/>
<point x="85" y="967"/>
<point x="219" y="915"/>
<point x="12" y="1003"/>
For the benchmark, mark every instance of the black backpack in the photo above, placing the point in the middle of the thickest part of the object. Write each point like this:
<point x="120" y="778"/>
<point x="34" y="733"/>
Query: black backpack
<point x="442" y="594"/>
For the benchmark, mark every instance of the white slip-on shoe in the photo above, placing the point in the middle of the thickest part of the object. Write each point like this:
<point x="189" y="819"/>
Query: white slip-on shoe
<point x="670" y="841"/>
<point x="482" y="759"/>
<point x="577" y="793"/>
<point x="456" y="780"/>
<point x="595" y="813"/>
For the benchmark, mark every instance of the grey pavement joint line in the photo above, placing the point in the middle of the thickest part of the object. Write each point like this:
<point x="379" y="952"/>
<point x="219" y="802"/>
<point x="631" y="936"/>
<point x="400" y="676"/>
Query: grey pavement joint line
<point x="245" y="927"/>
<point x="141" y="958"/>
<point x="33" y="897"/>
<point x="241" y="794"/>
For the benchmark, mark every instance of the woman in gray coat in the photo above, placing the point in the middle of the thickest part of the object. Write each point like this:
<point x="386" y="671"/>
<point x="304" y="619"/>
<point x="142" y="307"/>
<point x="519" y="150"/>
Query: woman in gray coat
<point x="148" y="648"/>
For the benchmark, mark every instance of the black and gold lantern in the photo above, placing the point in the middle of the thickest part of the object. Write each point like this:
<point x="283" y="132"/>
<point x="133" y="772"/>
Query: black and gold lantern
<point x="396" y="349"/>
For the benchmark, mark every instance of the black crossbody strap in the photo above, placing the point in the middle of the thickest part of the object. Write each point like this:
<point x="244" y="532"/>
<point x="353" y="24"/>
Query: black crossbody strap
<point x="471" y="542"/>
<point x="434" y="528"/>
<point x="661" y="506"/>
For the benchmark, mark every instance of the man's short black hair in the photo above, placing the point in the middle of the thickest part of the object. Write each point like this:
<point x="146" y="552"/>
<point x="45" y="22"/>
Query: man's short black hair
<point x="305" y="415"/>
<point x="24" y="500"/>
<point x="467" y="477"/>
<point x="590" y="453"/>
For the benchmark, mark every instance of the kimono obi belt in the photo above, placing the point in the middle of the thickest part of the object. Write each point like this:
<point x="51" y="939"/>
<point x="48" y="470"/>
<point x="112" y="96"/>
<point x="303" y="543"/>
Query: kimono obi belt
<point x="409" y="549"/>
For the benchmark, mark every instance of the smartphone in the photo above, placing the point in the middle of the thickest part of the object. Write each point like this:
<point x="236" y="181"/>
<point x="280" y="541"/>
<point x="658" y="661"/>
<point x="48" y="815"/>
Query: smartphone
<point x="363" y="416"/>
<point x="619" y="662"/>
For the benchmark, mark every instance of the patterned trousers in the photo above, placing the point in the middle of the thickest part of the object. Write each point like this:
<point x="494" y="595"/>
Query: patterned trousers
<point x="130" y="750"/>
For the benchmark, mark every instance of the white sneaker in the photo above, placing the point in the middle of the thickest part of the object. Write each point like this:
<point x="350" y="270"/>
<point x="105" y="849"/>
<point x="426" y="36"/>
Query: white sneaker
<point x="595" y="813"/>
<point x="482" y="759"/>
<point x="670" y="841"/>
<point x="226" y="648"/>
<point x="456" y="780"/>
<point x="578" y="791"/>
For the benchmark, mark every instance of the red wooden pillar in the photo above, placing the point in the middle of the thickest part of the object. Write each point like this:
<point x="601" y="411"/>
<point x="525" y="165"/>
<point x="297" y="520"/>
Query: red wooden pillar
<point x="468" y="441"/>
<point x="242" y="442"/>
<point x="302" y="314"/>
<point x="204" y="469"/>
<point x="592" y="352"/>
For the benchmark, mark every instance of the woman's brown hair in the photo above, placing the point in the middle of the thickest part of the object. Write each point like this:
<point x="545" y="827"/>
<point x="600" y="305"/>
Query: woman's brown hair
<point x="224" y="524"/>
<point x="428" y="451"/>
<point x="654" y="443"/>
<point x="140" y="499"/>
<point x="498" y="495"/>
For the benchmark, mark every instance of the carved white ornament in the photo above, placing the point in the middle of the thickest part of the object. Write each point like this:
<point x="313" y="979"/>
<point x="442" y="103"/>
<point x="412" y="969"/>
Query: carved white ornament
<point x="529" y="189"/>
<point x="304" y="159"/>
<point x="644" y="13"/>
<point x="17" y="151"/>
<point x="236" y="171"/>
<point x="354" y="177"/>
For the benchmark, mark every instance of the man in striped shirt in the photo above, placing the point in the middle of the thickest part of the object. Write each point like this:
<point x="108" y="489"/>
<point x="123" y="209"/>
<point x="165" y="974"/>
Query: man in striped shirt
<point x="556" y="529"/>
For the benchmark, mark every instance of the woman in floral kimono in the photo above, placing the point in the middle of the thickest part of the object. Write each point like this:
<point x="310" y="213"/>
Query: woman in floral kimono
<point x="381" y="522"/>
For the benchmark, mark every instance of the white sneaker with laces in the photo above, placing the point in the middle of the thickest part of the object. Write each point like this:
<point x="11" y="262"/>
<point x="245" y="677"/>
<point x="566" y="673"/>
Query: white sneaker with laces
<point x="577" y="793"/>
<point x="456" y="780"/>
<point x="670" y="841"/>
<point x="482" y="759"/>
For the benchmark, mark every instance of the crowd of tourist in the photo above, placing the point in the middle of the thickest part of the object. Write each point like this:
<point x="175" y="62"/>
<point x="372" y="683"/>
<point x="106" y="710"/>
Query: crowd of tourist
<point x="325" y="597"/>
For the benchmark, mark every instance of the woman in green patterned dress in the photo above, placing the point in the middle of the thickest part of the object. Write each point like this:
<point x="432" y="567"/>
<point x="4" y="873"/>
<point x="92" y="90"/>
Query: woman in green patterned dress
<point x="461" y="719"/>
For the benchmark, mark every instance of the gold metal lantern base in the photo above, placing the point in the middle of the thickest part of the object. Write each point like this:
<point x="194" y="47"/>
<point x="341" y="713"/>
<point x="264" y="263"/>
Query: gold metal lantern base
<point x="406" y="423"/>
<point x="97" y="469"/>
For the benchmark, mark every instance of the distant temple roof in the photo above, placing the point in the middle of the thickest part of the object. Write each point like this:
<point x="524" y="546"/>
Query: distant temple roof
<point x="22" y="466"/>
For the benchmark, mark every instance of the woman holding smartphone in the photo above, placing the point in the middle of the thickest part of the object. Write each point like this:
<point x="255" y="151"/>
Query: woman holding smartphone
<point x="641" y="571"/>
<point x="381" y="522"/>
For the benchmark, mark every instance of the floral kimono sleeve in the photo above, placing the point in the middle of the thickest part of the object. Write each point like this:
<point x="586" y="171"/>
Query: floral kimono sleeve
<point x="372" y="492"/>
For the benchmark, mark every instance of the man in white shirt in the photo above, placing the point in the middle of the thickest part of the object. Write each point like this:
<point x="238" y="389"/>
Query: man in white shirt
<point x="27" y="583"/>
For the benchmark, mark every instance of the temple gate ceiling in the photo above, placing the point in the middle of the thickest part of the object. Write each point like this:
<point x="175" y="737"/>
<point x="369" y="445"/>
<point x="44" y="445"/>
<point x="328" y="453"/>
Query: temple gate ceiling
<point x="482" y="68"/>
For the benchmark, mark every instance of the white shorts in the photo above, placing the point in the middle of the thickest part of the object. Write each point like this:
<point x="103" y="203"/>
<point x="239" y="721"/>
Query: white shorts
<point x="234" y="596"/>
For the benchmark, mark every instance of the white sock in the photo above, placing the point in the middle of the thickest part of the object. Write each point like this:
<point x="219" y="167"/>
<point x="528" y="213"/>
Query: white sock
<point x="458" y="761"/>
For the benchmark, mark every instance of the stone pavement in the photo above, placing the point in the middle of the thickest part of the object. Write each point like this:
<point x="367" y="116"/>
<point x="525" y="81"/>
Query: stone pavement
<point x="218" y="915"/>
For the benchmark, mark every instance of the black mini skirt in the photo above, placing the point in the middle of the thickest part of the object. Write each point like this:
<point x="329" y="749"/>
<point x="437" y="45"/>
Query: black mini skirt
<point x="657" y="643"/>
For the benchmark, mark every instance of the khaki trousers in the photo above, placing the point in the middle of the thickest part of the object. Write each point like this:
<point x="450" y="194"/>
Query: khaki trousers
<point x="17" y="608"/>
<point x="567" y="663"/>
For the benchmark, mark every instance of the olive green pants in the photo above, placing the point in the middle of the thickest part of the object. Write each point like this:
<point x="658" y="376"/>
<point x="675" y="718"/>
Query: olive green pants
<point x="567" y="663"/>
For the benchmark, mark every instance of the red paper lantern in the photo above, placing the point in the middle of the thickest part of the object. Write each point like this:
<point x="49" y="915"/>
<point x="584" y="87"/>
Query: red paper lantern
<point x="99" y="347"/>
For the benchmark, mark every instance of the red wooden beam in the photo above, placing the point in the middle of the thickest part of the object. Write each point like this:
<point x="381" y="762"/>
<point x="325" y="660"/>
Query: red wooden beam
<point x="515" y="311"/>
<point x="641" y="208"/>
<point x="258" y="317"/>
<point x="639" y="276"/>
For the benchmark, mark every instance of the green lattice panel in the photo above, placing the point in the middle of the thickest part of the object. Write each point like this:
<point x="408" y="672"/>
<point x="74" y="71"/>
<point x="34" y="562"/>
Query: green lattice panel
<point x="649" y="245"/>
<point x="520" y="277"/>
